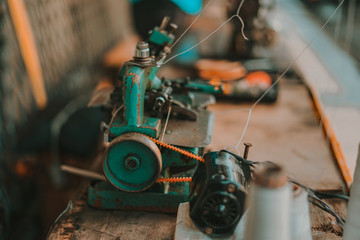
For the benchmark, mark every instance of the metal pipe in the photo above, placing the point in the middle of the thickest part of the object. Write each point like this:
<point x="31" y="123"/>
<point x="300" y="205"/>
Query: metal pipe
<point x="83" y="172"/>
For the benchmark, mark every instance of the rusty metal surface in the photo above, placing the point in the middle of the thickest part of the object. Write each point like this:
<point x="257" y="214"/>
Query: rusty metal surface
<point x="190" y="133"/>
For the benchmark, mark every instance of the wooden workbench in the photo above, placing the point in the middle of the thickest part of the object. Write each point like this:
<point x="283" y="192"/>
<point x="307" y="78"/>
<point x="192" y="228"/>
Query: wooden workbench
<point x="286" y="132"/>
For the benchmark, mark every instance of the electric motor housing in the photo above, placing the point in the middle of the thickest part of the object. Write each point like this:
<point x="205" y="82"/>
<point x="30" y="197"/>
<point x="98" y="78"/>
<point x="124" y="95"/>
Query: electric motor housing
<point x="217" y="194"/>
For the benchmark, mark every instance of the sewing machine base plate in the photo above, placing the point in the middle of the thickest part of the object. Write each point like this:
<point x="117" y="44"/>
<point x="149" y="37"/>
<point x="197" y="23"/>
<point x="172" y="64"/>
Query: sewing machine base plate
<point x="102" y="195"/>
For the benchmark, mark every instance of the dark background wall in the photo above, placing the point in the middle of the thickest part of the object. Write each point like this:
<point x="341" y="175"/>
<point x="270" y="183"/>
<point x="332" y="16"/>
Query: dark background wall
<point x="71" y="36"/>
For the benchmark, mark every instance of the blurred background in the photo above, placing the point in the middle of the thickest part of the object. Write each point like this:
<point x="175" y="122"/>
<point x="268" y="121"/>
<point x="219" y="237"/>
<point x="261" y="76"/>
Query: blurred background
<point x="56" y="54"/>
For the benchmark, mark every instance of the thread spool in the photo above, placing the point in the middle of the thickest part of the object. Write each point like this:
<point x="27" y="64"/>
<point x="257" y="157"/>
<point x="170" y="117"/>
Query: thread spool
<point x="352" y="225"/>
<point x="269" y="205"/>
<point x="300" y="216"/>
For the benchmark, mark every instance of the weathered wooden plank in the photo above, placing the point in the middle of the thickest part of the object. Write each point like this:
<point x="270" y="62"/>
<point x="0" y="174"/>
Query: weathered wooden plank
<point x="125" y="225"/>
<point x="286" y="132"/>
<point x="324" y="225"/>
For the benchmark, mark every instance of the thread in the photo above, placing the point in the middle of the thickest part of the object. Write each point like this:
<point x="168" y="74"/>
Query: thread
<point x="338" y="24"/>
<point x="300" y="216"/>
<point x="166" y="123"/>
<point x="352" y="225"/>
<point x="283" y="74"/>
<point x="350" y="24"/>
<point x="212" y="33"/>
<point x="269" y="204"/>
<point x="188" y="28"/>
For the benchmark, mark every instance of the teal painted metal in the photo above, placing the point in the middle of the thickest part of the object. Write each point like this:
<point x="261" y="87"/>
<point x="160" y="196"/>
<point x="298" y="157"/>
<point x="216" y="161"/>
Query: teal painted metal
<point x="105" y="196"/>
<point x="192" y="7"/>
<point x="133" y="95"/>
<point x="171" y="158"/>
<point x="150" y="126"/>
<point x="160" y="38"/>
<point x="132" y="162"/>
<point x="135" y="81"/>
<point x="204" y="87"/>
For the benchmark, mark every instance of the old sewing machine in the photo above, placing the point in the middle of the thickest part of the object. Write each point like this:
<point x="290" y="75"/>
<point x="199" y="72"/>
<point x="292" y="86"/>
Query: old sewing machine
<point x="156" y="134"/>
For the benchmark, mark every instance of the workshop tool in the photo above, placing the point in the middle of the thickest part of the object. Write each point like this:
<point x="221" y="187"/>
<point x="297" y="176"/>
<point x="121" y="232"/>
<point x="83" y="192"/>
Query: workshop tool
<point x="156" y="134"/>
<point x="218" y="191"/>
<point x="241" y="81"/>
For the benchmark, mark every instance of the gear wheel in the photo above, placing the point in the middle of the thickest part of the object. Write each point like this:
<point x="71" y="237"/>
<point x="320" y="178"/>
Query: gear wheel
<point x="132" y="162"/>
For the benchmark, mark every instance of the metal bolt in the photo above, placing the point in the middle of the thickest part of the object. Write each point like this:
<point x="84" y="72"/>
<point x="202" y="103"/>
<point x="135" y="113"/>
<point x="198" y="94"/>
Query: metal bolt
<point x="142" y="45"/>
<point x="246" y="151"/>
<point x="142" y="50"/>
<point x="209" y="230"/>
<point x="132" y="163"/>
<point x="172" y="28"/>
<point x="231" y="188"/>
<point x="205" y="212"/>
<point x="164" y="23"/>
<point x="103" y="127"/>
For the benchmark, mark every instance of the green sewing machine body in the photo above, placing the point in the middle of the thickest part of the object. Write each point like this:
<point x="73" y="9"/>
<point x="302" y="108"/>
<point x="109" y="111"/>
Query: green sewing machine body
<point x="147" y="108"/>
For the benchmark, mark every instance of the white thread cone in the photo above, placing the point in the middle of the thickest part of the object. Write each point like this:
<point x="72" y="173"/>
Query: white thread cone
<point x="352" y="225"/>
<point x="269" y="204"/>
<point x="300" y="215"/>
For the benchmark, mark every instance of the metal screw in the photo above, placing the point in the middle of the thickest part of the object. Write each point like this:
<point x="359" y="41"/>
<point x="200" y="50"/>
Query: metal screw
<point x="172" y="28"/>
<point x="142" y="45"/>
<point x="231" y="188"/>
<point x="132" y="163"/>
<point x="164" y="23"/>
<point x="209" y="230"/>
<point x="205" y="212"/>
<point x="246" y="151"/>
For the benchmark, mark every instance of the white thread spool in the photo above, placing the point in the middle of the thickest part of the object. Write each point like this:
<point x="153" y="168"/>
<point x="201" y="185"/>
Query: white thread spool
<point x="352" y="225"/>
<point x="269" y="205"/>
<point x="300" y="216"/>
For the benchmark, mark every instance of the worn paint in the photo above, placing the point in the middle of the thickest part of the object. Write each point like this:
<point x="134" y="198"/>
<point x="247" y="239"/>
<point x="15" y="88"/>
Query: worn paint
<point x="103" y="195"/>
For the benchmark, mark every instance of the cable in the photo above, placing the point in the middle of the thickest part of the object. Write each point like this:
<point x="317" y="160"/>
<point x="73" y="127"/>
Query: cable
<point x="323" y="195"/>
<point x="283" y="74"/>
<point x="195" y="20"/>
<point x="69" y="207"/>
<point x="314" y="199"/>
